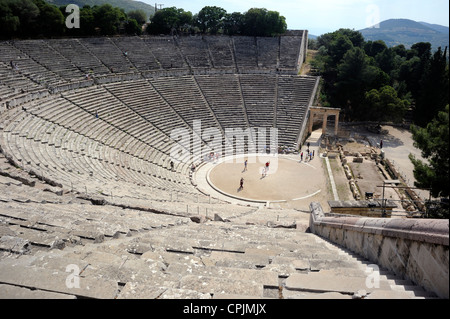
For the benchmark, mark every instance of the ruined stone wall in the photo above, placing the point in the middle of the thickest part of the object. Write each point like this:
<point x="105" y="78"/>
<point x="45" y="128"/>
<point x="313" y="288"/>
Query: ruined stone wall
<point x="416" y="249"/>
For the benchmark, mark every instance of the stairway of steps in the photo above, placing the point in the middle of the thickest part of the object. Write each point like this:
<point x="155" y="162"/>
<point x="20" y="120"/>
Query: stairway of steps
<point x="189" y="260"/>
<point x="56" y="244"/>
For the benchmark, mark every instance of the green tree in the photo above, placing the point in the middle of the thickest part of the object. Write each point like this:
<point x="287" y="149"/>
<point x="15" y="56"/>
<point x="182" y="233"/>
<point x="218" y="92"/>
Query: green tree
<point x="263" y="23"/>
<point x="433" y="141"/>
<point x="169" y="20"/>
<point x="22" y="14"/>
<point x="108" y="19"/>
<point x="384" y="105"/>
<point x="139" y="15"/>
<point x="372" y="48"/>
<point x="9" y="23"/>
<point x="50" y="21"/>
<point x="433" y="91"/>
<point x="233" y="23"/>
<point x="210" y="19"/>
<point x="132" y="27"/>
<point x="356" y="74"/>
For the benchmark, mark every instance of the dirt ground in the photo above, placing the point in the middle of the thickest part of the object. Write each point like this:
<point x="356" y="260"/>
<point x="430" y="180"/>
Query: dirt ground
<point x="288" y="179"/>
<point x="296" y="184"/>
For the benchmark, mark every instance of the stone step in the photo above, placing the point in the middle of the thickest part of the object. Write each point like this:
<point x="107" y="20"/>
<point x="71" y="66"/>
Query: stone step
<point x="15" y="292"/>
<point x="329" y="282"/>
<point x="216" y="285"/>
<point x="268" y="279"/>
<point x="58" y="281"/>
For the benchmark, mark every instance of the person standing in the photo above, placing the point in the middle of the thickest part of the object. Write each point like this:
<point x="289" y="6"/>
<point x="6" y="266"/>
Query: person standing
<point x="245" y="165"/>
<point x="267" y="168"/>
<point x="241" y="183"/>
<point x="301" y="157"/>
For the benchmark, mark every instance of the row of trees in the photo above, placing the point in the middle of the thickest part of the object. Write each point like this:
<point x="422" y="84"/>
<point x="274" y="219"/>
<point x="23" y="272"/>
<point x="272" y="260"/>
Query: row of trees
<point x="216" y="20"/>
<point x="38" y="18"/>
<point x="371" y="81"/>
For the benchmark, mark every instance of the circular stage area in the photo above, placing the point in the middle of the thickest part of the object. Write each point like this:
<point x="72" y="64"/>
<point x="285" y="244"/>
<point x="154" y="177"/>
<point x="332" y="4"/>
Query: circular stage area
<point x="287" y="179"/>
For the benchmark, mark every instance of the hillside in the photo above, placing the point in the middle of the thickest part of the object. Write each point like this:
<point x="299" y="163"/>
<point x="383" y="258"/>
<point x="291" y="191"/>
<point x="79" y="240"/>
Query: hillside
<point x="127" y="5"/>
<point x="408" y="32"/>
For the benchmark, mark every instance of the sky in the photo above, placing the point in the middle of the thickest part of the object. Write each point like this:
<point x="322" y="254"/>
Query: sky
<point x="322" y="16"/>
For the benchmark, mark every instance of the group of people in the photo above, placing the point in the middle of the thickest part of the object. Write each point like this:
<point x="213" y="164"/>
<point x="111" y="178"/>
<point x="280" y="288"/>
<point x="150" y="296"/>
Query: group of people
<point x="309" y="154"/>
<point x="211" y="157"/>
<point x="264" y="171"/>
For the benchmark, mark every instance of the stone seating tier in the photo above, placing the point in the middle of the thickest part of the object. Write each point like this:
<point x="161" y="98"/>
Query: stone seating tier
<point x="126" y="252"/>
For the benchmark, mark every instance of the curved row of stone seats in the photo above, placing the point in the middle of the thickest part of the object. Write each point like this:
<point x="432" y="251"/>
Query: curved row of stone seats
<point x="195" y="51"/>
<point x="290" y="47"/>
<point x="221" y="52"/>
<point x="108" y="53"/>
<point x="27" y="66"/>
<point x="184" y="95"/>
<point x="295" y="94"/>
<point x="12" y="82"/>
<point x="166" y="52"/>
<point x="260" y="94"/>
<point x="68" y="141"/>
<point x="74" y="51"/>
<point x="42" y="53"/>
<point x="245" y="50"/>
<point x="102" y="104"/>
<point x="225" y="99"/>
<point x="137" y="52"/>
<point x="268" y="52"/>
<point x="75" y="169"/>
<point x="143" y="99"/>
<point x="48" y="222"/>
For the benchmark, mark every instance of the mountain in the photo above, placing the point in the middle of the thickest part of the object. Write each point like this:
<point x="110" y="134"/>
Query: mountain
<point x="127" y="5"/>
<point x="407" y="32"/>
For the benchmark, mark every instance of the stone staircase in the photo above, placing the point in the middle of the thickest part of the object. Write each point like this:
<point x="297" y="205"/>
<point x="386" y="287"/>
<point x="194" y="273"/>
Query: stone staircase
<point x="188" y="260"/>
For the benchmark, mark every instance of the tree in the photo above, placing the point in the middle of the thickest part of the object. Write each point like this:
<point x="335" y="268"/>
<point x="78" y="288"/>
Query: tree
<point x="433" y="91"/>
<point x="433" y="141"/>
<point x="167" y="20"/>
<point x="18" y="17"/>
<point x="9" y="23"/>
<point x="139" y="15"/>
<point x="385" y="105"/>
<point x="233" y="23"/>
<point x="210" y="19"/>
<point x="132" y="27"/>
<point x="263" y="23"/>
<point x="356" y="75"/>
<point x="50" y="21"/>
<point x="108" y="19"/>
<point x="373" y="48"/>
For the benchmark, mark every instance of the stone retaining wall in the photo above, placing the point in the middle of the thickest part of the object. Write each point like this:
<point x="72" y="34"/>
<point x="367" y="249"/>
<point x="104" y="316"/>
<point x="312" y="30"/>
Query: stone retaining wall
<point x="416" y="249"/>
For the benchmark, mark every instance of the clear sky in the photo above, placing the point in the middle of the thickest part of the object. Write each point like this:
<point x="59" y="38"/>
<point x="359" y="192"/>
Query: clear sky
<point x="321" y="16"/>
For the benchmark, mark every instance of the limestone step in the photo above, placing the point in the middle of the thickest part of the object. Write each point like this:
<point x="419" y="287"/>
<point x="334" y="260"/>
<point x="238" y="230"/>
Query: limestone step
<point x="216" y="285"/>
<point x="15" y="292"/>
<point x="57" y="281"/>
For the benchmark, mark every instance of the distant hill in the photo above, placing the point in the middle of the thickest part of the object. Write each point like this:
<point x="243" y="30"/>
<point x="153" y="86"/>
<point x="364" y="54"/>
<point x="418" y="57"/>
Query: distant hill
<point x="127" y="5"/>
<point x="407" y="32"/>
